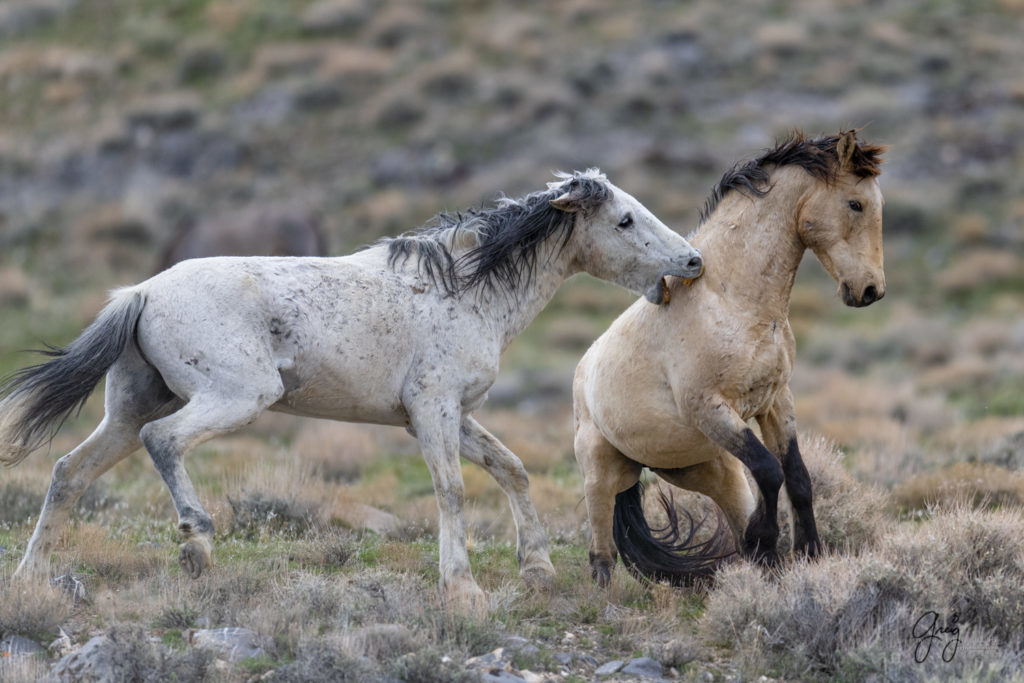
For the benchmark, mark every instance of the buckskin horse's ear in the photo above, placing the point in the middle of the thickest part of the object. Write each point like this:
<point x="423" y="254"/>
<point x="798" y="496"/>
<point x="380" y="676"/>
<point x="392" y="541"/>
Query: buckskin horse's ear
<point x="572" y="199"/>
<point x="845" y="147"/>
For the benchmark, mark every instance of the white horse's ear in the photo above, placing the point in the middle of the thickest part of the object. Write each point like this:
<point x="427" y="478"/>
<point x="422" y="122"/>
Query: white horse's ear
<point x="572" y="200"/>
<point x="567" y="202"/>
<point x="845" y="147"/>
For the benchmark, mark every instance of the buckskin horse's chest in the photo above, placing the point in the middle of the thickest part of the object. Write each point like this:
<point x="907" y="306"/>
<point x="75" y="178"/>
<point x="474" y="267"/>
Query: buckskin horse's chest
<point x="762" y="365"/>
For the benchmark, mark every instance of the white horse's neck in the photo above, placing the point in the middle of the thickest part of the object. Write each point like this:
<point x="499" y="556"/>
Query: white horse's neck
<point x="751" y="246"/>
<point x="511" y="311"/>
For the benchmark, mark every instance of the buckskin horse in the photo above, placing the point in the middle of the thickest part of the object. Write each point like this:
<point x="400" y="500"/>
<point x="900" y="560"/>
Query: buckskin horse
<point x="671" y="388"/>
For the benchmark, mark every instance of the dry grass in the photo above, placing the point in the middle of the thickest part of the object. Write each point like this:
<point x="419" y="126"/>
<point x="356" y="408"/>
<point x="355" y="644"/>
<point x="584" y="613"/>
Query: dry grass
<point x="854" y="616"/>
<point x="981" y="484"/>
<point x="32" y="611"/>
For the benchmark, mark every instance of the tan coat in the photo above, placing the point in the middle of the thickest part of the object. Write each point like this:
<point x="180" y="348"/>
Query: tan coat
<point x="672" y="387"/>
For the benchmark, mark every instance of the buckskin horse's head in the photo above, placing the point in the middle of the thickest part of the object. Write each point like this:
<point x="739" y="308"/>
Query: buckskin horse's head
<point x="840" y="220"/>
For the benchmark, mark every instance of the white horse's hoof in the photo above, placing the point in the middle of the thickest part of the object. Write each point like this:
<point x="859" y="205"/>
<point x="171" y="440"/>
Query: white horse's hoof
<point x="467" y="600"/>
<point x="195" y="555"/>
<point x="539" y="578"/>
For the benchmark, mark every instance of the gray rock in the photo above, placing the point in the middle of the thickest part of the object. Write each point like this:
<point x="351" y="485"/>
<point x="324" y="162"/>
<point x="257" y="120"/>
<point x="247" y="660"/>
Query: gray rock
<point x="609" y="668"/>
<point x="645" y="667"/>
<point x="334" y="16"/>
<point x="61" y="645"/>
<point x="495" y="658"/>
<point x="516" y="643"/>
<point x="18" y="18"/>
<point x="93" y="661"/>
<point x="501" y="677"/>
<point x="233" y="642"/>
<point x="13" y="644"/>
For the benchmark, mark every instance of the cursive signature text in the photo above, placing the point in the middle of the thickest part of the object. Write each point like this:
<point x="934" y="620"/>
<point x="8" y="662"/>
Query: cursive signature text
<point x="928" y="632"/>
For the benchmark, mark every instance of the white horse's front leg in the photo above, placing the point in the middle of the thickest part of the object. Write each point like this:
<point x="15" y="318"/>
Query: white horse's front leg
<point x="436" y="425"/>
<point x="482" y="448"/>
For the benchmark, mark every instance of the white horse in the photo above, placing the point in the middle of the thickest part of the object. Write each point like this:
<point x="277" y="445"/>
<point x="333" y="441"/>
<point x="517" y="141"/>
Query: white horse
<point x="407" y="332"/>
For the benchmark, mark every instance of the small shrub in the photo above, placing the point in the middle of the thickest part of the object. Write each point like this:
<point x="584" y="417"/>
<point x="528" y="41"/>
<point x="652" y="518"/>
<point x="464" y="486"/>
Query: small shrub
<point x="429" y="665"/>
<point x="34" y="612"/>
<point x="176" y="618"/>
<point x="134" y="657"/>
<point x="18" y="505"/>
<point x="257" y="513"/>
<point x="849" y="515"/>
<point x="321" y="660"/>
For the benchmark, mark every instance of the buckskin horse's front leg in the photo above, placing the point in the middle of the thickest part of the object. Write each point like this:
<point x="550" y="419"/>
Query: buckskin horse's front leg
<point x="778" y="428"/>
<point x="479" y="446"/>
<point x="435" y="422"/>
<point x="725" y="427"/>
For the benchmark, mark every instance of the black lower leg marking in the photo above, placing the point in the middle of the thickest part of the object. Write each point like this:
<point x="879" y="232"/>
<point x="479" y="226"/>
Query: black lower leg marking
<point x="762" y="534"/>
<point x="798" y="486"/>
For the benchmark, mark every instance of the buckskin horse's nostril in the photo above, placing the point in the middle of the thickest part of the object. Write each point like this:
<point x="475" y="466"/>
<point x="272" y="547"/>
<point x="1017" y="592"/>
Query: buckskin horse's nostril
<point x="870" y="295"/>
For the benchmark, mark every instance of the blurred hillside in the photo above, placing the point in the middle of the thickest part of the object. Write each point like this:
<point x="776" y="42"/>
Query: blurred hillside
<point x="120" y="121"/>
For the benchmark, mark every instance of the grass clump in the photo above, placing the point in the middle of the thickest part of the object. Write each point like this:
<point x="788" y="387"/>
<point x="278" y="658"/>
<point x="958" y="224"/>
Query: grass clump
<point x="864" y="615"/>
<point x="256" y="514"/>
<point x="34" y="612"/>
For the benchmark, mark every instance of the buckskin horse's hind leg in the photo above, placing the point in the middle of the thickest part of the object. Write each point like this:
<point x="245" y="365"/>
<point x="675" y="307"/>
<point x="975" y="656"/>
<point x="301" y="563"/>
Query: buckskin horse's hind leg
<point x="606" y="473"/>
<point x="477" y="445"/>
<point x="779" y="430"/>
<point x="167" y="440"/>
<point x="722" y="480"/>
<point x="134" y="394"/>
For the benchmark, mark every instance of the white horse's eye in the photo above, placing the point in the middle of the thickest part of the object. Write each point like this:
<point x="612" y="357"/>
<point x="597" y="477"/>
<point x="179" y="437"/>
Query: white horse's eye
<point x="627" y="221"/>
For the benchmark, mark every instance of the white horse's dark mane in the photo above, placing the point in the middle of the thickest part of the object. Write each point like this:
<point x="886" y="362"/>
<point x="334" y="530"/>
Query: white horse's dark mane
<point x="503" y="240"/>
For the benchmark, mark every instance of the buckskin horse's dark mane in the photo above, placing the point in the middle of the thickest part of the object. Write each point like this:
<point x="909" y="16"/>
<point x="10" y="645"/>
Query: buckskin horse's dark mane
<point x="818" y="156"/>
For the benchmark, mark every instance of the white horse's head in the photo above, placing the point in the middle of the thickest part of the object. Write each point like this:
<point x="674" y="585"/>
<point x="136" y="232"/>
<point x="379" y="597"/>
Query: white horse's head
<point x="617" y="239"/>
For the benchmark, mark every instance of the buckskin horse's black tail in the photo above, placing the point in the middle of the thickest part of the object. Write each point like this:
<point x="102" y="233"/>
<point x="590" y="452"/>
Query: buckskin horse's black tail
<point x="667" y="553"/>
<point x="36" y="400"/>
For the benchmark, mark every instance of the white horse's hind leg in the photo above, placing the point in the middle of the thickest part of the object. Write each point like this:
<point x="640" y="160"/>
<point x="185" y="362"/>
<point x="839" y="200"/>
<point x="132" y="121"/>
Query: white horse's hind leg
<point x="110" y="443"/>
<point x="135" y="393"/>
<point x="168" y="439"/>
<point x="479" y="446"/>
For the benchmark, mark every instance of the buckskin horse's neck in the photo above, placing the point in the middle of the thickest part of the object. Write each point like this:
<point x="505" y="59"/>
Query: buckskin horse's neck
<point x="751" y="247"/>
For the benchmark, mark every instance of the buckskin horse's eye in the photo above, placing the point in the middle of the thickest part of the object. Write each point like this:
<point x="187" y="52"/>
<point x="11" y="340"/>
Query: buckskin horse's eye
<point x="627" y="221"/>
<point x="855" y="205"/>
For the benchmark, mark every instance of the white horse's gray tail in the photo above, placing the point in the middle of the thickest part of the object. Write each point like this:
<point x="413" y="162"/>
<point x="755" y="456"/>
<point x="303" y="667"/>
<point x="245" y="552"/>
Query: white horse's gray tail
<point x="38" y="399"/>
